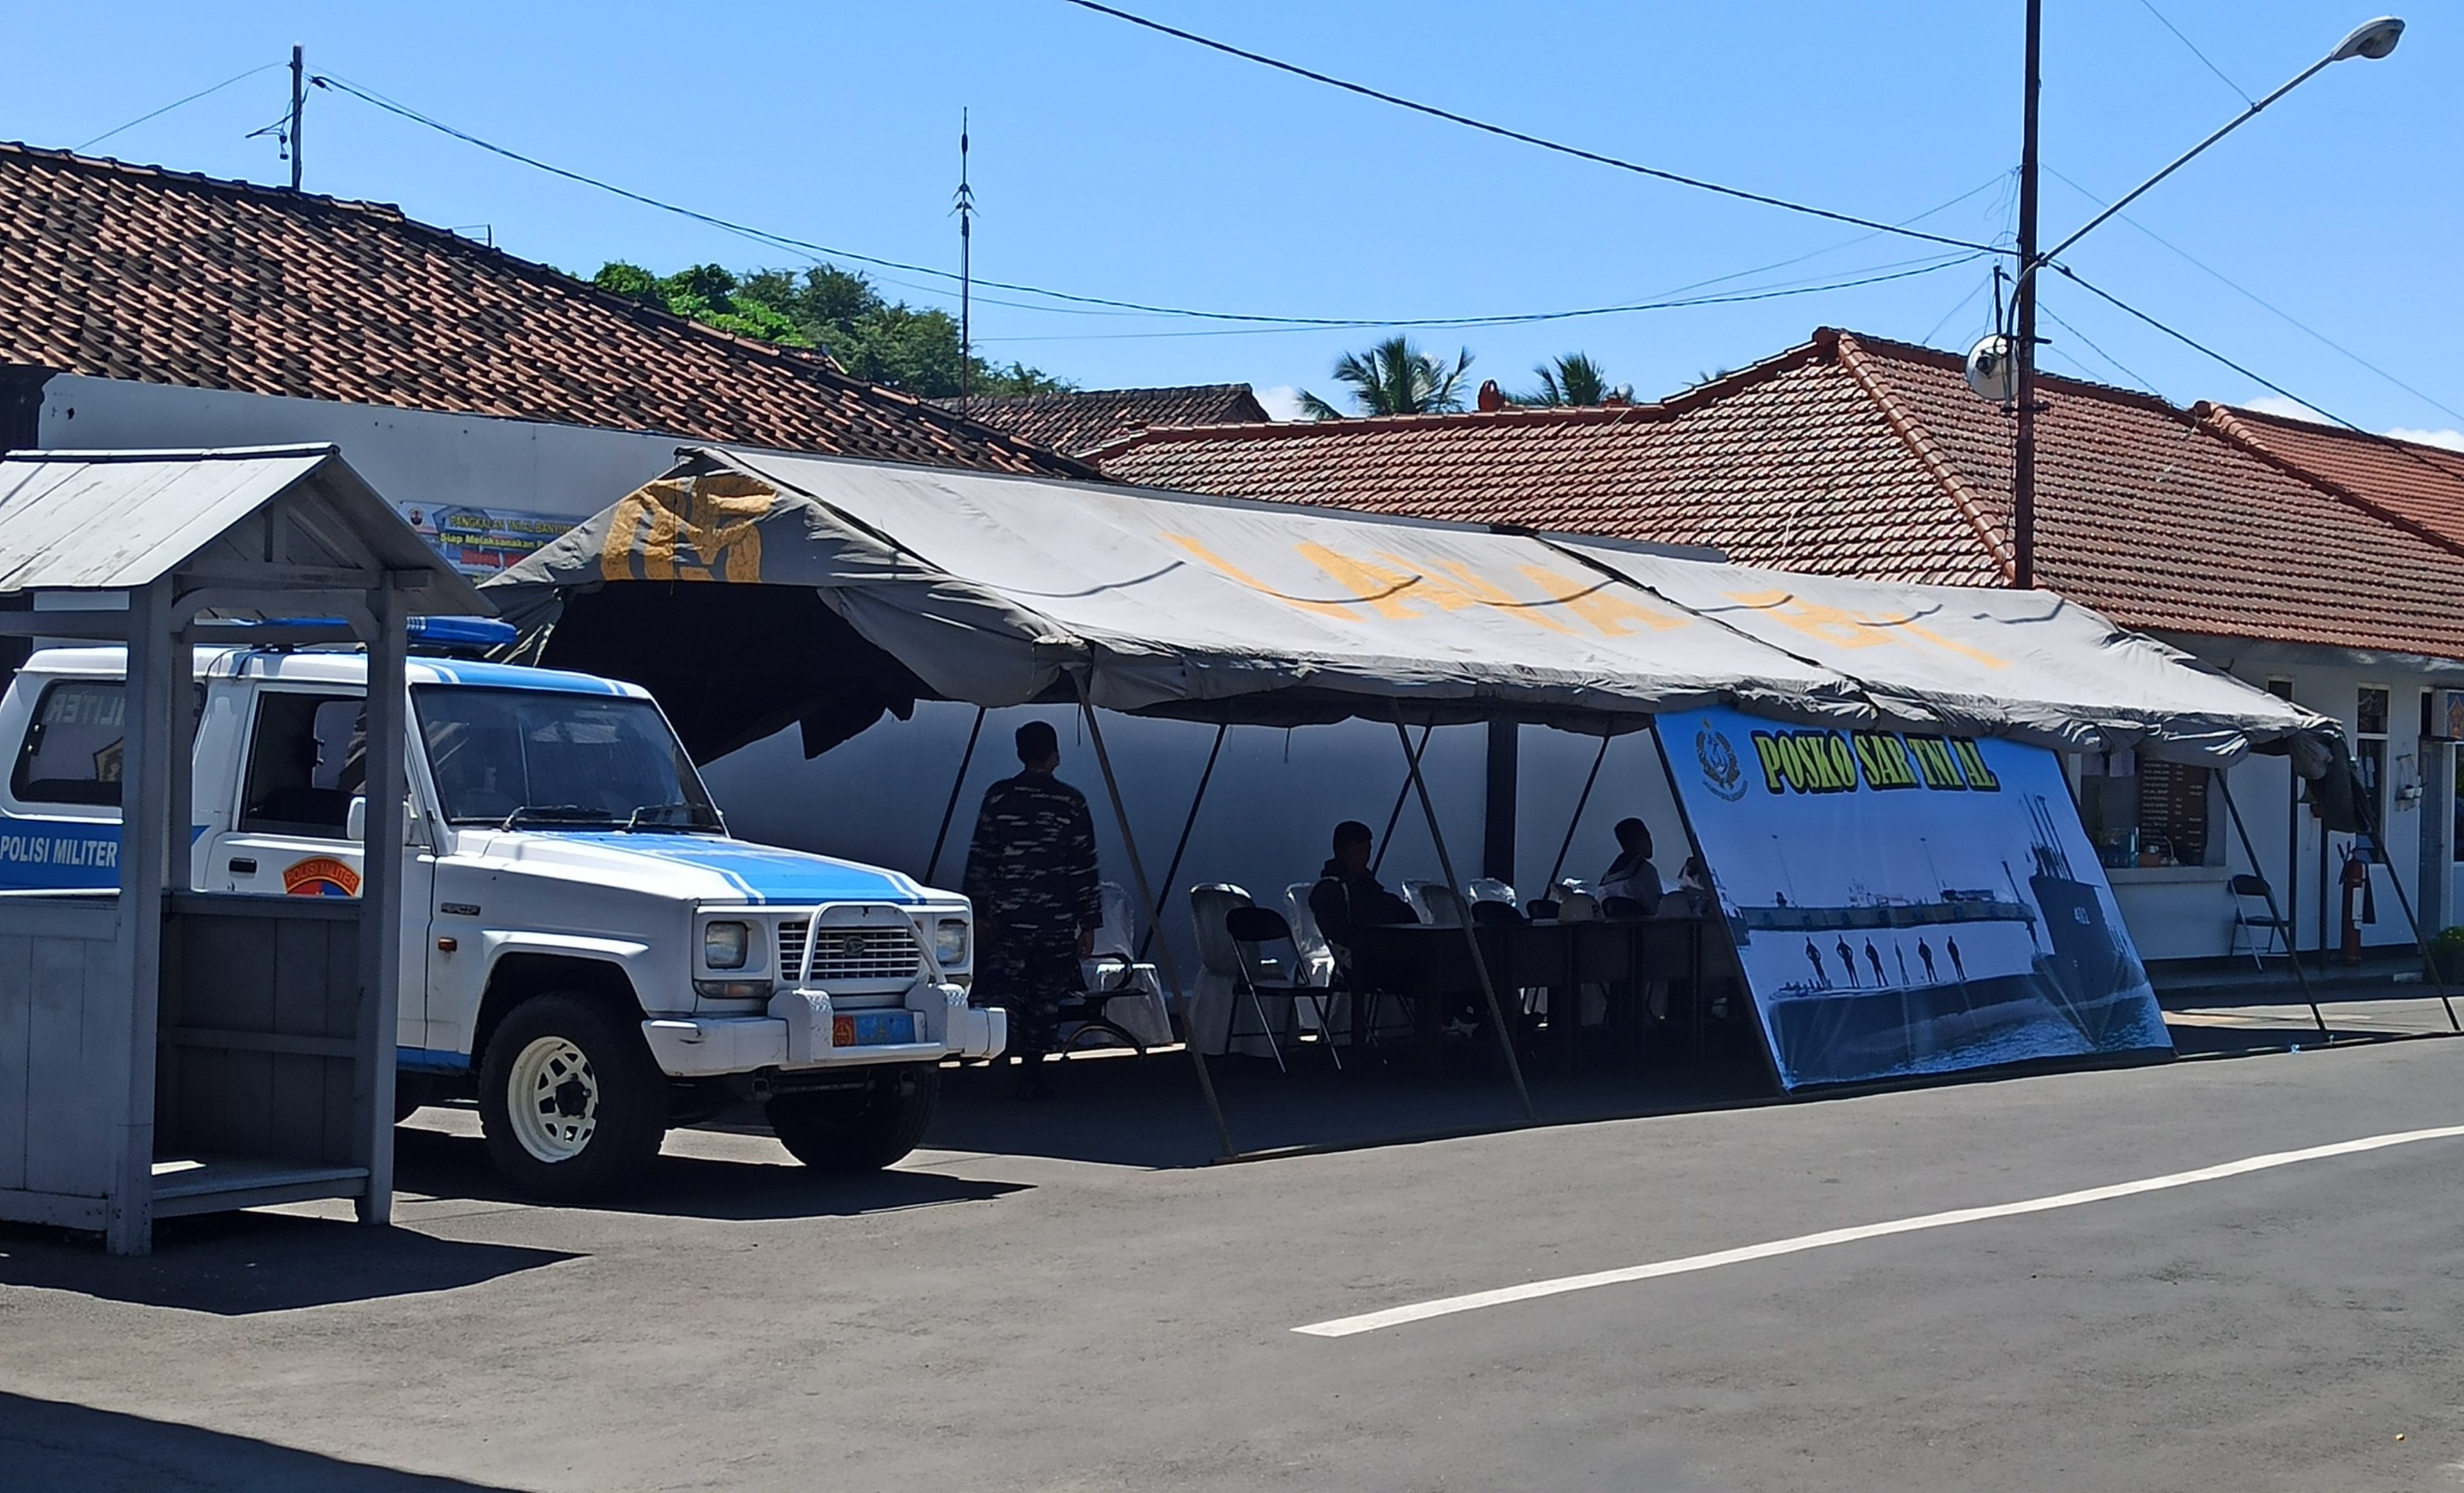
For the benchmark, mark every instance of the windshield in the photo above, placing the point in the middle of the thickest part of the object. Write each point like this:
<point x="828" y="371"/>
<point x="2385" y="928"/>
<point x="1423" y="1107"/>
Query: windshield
<point x="510" y="756"/>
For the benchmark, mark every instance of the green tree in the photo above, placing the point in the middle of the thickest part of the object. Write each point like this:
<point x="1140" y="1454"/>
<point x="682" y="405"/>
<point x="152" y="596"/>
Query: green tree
<point x="1396" y="378"/>
<point x="1573" y="379"/>
<point x="832" y="309"/>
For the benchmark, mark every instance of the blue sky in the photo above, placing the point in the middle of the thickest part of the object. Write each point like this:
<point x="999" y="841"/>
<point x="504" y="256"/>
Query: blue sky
<point x="1115" y="163"/>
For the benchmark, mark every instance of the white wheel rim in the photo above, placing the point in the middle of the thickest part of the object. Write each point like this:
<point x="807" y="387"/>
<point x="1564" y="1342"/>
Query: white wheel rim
<point x="552" y="1096"/>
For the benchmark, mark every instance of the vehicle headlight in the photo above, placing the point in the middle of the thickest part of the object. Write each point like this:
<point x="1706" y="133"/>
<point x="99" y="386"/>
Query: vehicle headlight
<point x="950" y="942"/>
<point x="724" y="946"/>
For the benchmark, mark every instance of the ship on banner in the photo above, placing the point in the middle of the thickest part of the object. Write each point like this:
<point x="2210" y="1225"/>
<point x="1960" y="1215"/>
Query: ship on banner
<point x="1905" y="904"/>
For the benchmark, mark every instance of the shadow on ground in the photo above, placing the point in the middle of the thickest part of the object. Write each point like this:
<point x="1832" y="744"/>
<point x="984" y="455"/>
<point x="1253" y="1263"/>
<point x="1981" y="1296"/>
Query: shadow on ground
<point x="446" y="1165"/>
<point x="50" y="1447"/>
<point x="1149" y="1112"/>
<point x="239" y="1263"/>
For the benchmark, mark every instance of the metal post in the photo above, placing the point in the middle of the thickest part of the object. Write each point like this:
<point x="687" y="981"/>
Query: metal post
<point x="2395" y="884"/>
<point x="957" y="785"/>
<point x="2292" y="951"/>
<point x="1471" y="933"/>
<point x="1581" y="802"/>
<point x="1155" y="912"/>
<point x="1402" y="796"/>
<point x="381" y="922"/>
<point x="1180" y="848"/>
<point x="2023" y="456"/>
<point x="1502" y="783"/>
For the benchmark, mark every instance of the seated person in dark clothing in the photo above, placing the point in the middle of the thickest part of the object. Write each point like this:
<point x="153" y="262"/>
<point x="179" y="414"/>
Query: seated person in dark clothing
<point x="1630" y="887"/>
<point x="1347" y="896"/>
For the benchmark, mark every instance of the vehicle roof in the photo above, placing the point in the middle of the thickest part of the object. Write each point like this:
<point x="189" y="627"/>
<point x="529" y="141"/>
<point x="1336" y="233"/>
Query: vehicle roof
<point x="313" y="666"/>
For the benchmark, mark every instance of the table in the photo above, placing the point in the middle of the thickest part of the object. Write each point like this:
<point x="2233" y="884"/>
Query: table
<point x="1425" y="965"/>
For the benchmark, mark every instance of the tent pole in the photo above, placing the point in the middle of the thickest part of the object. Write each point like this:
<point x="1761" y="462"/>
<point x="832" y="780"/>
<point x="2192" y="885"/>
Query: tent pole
<point x="1581" y="802"/>
<point x="957" y="785"/>
<point x="2292" y="953"/>
<point x="1694" y="848"/>
<point x="2395" y="884"/>
<point x="1471" y="934"/>
<point x="1171" y="872"/>
<point x="1155" y="914"/>
<point x="1402" y="796"/>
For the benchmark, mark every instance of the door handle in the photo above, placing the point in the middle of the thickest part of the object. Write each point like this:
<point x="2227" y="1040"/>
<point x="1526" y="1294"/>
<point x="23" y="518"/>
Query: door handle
<point x="243" y="865"/>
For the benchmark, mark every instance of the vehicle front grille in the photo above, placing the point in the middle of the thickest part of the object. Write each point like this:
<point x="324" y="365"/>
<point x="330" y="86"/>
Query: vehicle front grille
<point x="847" y="954"/>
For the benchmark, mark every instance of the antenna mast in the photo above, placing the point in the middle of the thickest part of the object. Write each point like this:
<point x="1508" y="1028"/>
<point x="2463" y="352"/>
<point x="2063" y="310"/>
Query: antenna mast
<point x="298" y="101"/>
<point x="966" y="270"/>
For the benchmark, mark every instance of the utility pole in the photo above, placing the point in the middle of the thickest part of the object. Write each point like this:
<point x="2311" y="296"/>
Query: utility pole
<point x="298" y="100"/>
<point x="2023" y="456"/>
<point x="966" y="269"/>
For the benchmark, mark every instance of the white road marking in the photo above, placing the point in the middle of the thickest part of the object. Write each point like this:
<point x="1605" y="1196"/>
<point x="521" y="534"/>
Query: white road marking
<point x="1446" y="1307"/>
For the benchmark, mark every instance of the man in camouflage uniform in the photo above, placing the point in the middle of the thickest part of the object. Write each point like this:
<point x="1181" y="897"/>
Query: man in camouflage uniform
<point x="1031" y="875"/>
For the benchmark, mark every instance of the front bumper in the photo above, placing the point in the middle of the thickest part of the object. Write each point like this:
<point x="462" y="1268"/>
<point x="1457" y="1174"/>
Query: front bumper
<point x="795" y="1034"/>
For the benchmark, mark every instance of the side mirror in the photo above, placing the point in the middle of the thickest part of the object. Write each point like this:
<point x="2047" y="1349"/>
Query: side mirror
<point x="355" y="820"/>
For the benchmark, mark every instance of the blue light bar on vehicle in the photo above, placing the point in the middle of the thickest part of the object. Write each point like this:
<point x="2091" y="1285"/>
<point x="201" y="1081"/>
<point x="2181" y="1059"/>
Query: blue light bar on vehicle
<point x="460" y="633"/>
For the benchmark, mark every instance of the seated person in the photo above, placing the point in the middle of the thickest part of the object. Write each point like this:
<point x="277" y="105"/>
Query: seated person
<point x="1631" y="879"/>
<point x="1347" y="896"/>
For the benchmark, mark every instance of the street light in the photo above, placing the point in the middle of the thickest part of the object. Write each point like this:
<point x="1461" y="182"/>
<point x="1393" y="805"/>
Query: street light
<point x="2372" y="40"/>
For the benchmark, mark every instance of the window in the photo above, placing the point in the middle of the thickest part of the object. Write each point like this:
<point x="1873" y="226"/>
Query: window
<point x="2281" y="688"/>
<point x="2370" y="759"/>
<point x="71" y="754"/>
<point x="503" y="754"/>
<point x="308" y="759"/>
<point x="2141" y="811"/>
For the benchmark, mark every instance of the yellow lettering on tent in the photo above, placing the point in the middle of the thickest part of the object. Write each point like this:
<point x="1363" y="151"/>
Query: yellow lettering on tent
<point x="1609" y="610"/>
<point x="713" y="518"/>
<point x="1854" y="629"/>
<point x="1479" y="588"/>
<point x="1382" y="589"/>
<point x="1219" y="563"/>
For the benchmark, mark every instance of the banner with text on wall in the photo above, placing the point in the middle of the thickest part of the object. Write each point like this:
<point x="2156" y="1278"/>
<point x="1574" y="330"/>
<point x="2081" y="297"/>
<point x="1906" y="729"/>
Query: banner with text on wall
<point x="1905" y="904"/>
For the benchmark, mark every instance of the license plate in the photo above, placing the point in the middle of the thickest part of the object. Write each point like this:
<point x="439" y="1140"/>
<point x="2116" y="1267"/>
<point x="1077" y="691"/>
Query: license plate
<point x="873" y="1028"/>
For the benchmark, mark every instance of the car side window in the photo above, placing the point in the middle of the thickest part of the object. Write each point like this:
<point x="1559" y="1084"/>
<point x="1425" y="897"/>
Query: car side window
<point x="306" y="760"/>
<point x="71" y="754"/>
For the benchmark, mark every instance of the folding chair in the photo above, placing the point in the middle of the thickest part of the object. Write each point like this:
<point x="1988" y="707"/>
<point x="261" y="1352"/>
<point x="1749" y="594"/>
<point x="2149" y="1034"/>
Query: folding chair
<point x="2248" y="926"/>
<point x="1271" y="970"/>
<point x="1109" y="975"/>
<point x="1435" y="904"/>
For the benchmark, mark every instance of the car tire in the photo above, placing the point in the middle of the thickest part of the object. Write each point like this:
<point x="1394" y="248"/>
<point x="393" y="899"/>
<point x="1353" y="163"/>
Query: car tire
<point x="570" y="1102"/>
<point x="858" y="1130"/>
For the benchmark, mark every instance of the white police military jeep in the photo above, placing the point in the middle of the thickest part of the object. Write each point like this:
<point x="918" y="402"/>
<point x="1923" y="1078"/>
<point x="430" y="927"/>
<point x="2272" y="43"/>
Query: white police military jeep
<point x="585" y="951"/>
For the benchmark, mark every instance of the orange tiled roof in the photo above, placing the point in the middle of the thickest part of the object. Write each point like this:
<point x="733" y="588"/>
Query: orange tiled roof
<point x="1081" y="420"/>
<point x="126" y="272"/>
<point x="1854" y="455"/>
<point x="2421" y="485"/>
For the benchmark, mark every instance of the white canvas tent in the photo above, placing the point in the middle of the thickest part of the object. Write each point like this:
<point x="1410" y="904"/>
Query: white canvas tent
<point x="751" y="590"/>
<point x="993" y="589"/>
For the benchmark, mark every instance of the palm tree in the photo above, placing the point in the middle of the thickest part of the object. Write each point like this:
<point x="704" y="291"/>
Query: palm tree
<point x="1396" y="378"/>
<point x="1573" y="379"/>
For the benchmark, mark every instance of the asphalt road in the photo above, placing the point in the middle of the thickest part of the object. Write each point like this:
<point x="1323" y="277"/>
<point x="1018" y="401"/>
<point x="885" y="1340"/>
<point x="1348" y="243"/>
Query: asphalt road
<point x="992" y="1322"/>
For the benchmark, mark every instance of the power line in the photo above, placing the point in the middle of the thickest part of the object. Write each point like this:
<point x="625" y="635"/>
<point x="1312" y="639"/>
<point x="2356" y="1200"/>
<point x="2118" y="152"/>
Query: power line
<point x="2089" y="342"/>
<point x="2187" y="341"/>
<point x="2286" y="317"/>
<point x="2196" y="53"/>
<point x="175" y="103"/>
<point x="806" y="246"/>
<point x="1502" y="131"/>
<point x="1736" y="299"/>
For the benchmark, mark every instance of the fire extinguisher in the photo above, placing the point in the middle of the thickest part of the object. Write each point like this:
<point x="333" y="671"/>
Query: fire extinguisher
<point x="2356" y="892"/>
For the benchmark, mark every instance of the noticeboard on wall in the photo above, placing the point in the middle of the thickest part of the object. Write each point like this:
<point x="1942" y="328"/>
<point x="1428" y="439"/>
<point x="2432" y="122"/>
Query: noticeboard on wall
<point x="481" y="541"/>
<point x="1904" y="904"/>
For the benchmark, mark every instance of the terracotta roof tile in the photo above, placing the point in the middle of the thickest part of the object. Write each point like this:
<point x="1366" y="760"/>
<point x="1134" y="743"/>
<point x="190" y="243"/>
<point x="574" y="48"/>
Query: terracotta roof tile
<point x="133" y="272"/>
<point x="2417" y="484"/>
<point x="1082" y="420"/>
<point x="1853" y="455"/>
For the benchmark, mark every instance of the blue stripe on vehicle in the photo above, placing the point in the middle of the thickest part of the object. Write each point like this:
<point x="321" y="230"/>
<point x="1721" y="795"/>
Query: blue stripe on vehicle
<point x="430" y="1059"/>
<point x="765" y="873"/>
